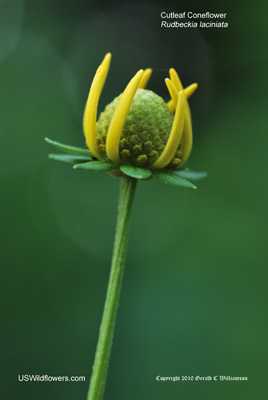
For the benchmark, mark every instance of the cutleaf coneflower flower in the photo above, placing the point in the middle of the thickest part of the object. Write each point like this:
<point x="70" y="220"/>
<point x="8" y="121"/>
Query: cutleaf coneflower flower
<point x="137" y="137"/>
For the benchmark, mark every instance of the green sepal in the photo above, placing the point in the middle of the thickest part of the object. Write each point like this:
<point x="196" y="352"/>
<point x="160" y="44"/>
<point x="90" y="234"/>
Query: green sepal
<point x="69" y="149"/>
<point x="96" y="166"/>
<point x="69" y="158"/>
<point x="136" y="172"/>
<point x="192" y="175"/>
<point x="172" y="178"/>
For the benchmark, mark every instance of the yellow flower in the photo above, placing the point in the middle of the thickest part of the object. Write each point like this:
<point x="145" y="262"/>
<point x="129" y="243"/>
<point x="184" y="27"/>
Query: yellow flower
<point x="138" y="134"/>
<point x="138" y="128"/>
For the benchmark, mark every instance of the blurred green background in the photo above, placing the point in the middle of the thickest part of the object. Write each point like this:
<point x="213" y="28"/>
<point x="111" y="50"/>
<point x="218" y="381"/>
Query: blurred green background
<point x="194" y="295"/>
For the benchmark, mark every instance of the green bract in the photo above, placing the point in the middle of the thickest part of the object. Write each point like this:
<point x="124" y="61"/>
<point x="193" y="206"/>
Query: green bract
<point x="83" y="159"/>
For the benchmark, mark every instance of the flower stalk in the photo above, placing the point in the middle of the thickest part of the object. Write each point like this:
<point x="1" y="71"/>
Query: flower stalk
<point x="137" y="137"/>
<point x="102" y="356"/>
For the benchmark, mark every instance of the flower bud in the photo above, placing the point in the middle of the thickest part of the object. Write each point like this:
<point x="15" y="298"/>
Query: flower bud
<point x="138" y="128"/>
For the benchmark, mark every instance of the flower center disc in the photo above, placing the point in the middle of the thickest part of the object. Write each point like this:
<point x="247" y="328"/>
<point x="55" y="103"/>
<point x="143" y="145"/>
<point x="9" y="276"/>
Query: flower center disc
<point x="145" y="132"/>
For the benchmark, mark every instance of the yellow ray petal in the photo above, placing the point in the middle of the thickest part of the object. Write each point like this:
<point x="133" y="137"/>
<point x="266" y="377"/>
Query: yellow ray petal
<point x="190" y="90"/>
<point x="173" y="93"/>
<point x="171" y="105"/>
<point x="119" y="118"/>
<point x="145" y="78"/>
<point x="187" y="92"/>
<point x="175" y="79"/>
<point x="178" y="85"/>
<point x="175" y="134"/>
<point x="90" y="114"/>
<point x="187" y="139"/>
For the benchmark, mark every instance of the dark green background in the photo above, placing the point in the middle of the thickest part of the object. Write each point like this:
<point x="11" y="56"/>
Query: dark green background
<point x="194" y="295"/>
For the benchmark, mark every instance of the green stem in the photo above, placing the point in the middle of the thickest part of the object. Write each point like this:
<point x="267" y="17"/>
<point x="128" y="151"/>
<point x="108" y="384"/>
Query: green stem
<point x="102" y="356"/>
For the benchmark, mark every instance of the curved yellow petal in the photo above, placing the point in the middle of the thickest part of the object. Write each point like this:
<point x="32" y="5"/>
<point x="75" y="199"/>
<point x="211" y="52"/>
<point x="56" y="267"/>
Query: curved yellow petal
<point x="187" y="139"/>
<point x="90" y="114"/>
<point x="175" y="79"/>
<point x="187" y="92"/>
<point x="175" y="134"/>
<point x="173" y="93"/>
<point x="145" y="78"/>
<point x="119" y="118"/>
<point x="190" y="90"/>
<point x="171" y="105"/>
